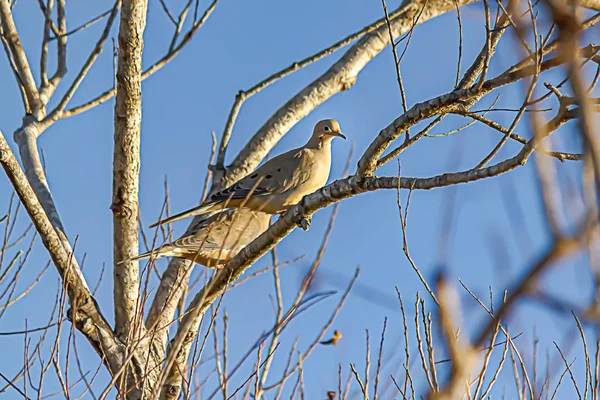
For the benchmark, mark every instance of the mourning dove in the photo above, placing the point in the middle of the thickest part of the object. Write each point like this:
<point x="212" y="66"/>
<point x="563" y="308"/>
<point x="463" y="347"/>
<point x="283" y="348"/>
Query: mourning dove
<point x="215" y="239"/>
<point x="280" y="182"/>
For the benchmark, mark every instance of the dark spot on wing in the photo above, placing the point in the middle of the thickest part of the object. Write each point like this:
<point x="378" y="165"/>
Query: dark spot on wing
<point x="268" y="176"/>
<point x="253" y="176"/>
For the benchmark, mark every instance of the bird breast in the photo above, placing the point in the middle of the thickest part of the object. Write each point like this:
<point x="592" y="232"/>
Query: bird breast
<point x="315" y="172"/>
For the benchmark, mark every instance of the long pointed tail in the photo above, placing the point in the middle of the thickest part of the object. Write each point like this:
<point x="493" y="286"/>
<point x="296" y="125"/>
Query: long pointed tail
<point x="162" y="251"/>
<point x="142" y="256"/>
<point x="185" y="214"/>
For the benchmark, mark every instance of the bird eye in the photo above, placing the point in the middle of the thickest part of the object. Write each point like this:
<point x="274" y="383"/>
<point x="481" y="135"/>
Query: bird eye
<point x="326" y="128"/>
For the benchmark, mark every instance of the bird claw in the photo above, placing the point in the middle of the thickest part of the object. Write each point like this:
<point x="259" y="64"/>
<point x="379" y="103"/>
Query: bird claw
<point x="303" y="222"/>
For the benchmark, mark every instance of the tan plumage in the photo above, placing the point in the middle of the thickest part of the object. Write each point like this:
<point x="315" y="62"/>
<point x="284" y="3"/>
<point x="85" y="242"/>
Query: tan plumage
<point x="214" y="240"/>
<point x="280" y="182"/>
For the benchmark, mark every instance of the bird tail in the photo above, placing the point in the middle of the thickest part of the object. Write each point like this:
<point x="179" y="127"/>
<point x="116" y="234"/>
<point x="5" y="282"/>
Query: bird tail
<point x="139" y="257"/>
<point x="185" y="214"/>
<point x="156" y="253"/>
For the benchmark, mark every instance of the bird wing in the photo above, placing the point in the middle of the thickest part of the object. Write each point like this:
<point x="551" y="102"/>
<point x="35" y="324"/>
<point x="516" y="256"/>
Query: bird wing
<point x="225" y="231"/>
<point x="276" y="176"/>
<point x="207" y="234"/>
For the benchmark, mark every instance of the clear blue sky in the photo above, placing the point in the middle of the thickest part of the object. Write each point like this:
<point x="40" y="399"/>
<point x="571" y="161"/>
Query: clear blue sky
<point x="242" y="43"/>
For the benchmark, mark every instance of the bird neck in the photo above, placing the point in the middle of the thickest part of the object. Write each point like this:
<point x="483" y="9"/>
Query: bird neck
<point x="318" y="143"/>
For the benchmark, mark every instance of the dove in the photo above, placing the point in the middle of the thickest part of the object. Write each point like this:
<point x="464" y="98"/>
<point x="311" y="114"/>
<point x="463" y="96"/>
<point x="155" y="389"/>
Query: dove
<point x="213" y="240"/>
<point x="279" y="183"/>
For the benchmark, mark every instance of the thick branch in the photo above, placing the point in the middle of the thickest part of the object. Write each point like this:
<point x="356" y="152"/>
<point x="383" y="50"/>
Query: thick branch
<point x="591" y="4"/>
<point x="165" y="301"/>
<point x="26" y="138"/>
<point x="126" y="167"/>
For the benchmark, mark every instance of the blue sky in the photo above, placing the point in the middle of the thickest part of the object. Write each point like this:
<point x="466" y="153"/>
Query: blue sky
<point x="491" y="243"/>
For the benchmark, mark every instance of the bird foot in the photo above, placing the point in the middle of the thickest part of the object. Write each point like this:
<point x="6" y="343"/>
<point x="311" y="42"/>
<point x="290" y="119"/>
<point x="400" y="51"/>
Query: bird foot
<point x="303" y="222"/>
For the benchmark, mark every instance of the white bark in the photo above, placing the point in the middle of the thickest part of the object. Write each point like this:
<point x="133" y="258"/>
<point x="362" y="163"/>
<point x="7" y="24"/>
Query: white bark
<point x="126" y="168"/>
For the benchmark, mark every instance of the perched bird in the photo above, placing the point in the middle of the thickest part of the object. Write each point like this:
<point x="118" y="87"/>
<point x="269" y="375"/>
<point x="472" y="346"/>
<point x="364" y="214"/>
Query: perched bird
<point x="281" y="182"/>
<point x="213" y="240"/>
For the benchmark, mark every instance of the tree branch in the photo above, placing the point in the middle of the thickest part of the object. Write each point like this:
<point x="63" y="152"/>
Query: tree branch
<point x="591" y="4"/>
<point x="58" y="111"/>
<point x="47" y="89"/>
<point x="126" y="169"/>
<point x="11" y="35"/>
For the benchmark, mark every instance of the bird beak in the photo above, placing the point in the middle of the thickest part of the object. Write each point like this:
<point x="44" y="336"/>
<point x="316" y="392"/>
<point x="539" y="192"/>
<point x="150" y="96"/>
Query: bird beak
<point x="338" y="134"/>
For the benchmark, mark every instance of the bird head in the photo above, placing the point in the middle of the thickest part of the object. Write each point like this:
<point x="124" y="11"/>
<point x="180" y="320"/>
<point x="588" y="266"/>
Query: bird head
<point x="328" y="129"/>
<point x="325" y="131"/>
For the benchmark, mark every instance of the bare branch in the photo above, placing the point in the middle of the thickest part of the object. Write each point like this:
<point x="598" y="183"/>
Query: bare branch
<point x="107" y="95"/>
<point x="562" y="247"/>
<point x="15" y="71"/>
<point x="84" y="25"/>
<point x="58" y="111"/>
<point x="9" y="32"/>
<point x="569" y="33"/>
<point x="126" y="169"/>
<point x="48" y="87"/>
<point x="168" y="12"/>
